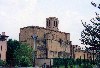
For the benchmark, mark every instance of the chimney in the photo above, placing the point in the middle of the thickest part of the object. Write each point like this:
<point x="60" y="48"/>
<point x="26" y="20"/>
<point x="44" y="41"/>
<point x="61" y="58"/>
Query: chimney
<point x="3" y="33"/>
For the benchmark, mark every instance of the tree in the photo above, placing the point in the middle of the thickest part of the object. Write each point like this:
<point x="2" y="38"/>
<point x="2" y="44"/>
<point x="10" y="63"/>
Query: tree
<point x="11" y="47"/>
<point x="95" y="5"/>
<point x="2" y="63"/>
<point x="91" y="34"/>
<point x="23" y="55"/>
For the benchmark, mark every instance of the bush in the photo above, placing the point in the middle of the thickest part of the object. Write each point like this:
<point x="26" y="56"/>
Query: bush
<point x="2" y="63"/>
<point x="86" y="66"/>
<point x="63" y="61"/>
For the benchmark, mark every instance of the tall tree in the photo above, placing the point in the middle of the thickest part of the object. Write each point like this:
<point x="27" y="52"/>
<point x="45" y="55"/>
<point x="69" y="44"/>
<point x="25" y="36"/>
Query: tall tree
<point x="91" y="34"/>
<point x="11" y="47"/>
<point x="23" y="55"/>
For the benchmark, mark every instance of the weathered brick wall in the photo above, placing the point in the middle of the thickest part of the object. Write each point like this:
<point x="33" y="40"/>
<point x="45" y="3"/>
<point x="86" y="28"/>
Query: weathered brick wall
<point x="82" y="53"/>
<point x="52" y="37"/>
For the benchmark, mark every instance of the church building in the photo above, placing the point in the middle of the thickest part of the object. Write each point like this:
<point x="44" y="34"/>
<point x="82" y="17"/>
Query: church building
<point x="48" y="42"/>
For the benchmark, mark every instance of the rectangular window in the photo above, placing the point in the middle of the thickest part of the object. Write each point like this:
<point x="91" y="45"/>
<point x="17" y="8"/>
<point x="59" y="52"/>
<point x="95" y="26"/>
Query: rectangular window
<point x="49" y="23"/>
<point x="56" y="24"/>
<point x="1" y="47"/>
<point x="0" y="56"/>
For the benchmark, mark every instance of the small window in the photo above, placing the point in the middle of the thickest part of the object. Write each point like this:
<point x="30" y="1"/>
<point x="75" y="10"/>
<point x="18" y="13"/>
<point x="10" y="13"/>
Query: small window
<point x="0" y="56"/>
<point x="1" y="48"/>
<point x="56" y="24"/>
<point x="49" y="23"/>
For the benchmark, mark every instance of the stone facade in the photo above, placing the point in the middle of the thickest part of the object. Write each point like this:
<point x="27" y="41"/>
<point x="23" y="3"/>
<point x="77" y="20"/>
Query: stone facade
<point x="48" y="42"/>
<point x="52" y="23"/>
<point x="77" y="53"/>
<point x="3" y="46"/>
<point x="74" y="48"/>
<point x="84" y="54"/>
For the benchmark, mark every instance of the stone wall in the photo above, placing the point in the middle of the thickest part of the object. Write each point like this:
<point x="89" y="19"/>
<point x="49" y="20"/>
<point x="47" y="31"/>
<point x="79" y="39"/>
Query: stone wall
<point x="56" y="41"/>
<point x="82" y="53"/>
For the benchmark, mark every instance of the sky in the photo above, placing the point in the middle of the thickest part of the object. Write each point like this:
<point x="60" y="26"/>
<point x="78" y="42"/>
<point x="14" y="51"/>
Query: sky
<point x="16" y="14"/>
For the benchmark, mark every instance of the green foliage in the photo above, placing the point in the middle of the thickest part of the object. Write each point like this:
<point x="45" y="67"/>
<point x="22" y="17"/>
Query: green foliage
<point x="18" y="54"/>
<point x="90" y="35"/>
<point x="78" y="62"/>
<point x="86" y="66"/>
<point x="11" y="47"/>
<point x="23" y="55"/>
<point x="2" y="63"/>
<point x="63" y="61"/>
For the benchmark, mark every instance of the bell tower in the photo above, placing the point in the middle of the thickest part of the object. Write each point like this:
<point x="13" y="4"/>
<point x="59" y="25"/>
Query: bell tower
<point x="52" y="23"/>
